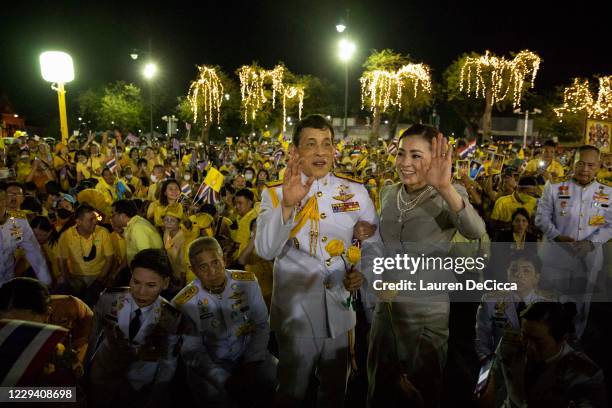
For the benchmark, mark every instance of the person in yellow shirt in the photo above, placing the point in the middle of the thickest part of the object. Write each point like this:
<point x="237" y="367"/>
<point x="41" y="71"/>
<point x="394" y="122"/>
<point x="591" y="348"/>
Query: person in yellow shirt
<point x="96" y="160"/>
<point x="260" y="267"/>
<point x="523" y="197"/>
<point x="23" y="167"/>
<point x="244" y="201"/>
<point x="83" y="167"/>
<point x="546" y="165"/>
<point x="170" y="193"/>
<point x="46" y="235"/>
<point x="106" y="186"/>
<point x="139" y="233"/>
<point x="176" y="244"/>
<point x="86" y="253"/>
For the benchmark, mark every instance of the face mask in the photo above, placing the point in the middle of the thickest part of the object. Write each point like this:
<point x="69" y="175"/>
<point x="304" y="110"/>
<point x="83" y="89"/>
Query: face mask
<point x="187" y="176"/>
<point x="154" y="178"/>
<point x="128" y="176"/>
<point x="173" y="164"/>
<point x="248" y="176"/>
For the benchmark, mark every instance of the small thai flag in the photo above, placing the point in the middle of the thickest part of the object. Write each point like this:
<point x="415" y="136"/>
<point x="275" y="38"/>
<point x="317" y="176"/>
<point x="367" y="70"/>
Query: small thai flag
<point x="112" y="164"/>
<point x="392" y="149"/>
<point x="186" y="189"/>
<point x="468" y="150"/>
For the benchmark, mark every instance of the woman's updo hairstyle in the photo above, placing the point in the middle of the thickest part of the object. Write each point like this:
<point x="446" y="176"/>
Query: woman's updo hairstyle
<point x="427" y="133"/>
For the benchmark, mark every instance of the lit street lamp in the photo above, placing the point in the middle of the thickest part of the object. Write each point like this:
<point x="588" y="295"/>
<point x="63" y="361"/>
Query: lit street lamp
<point x="149" y="72"/>
<point x="345" y="52"/>
<point x="57" y="67"/>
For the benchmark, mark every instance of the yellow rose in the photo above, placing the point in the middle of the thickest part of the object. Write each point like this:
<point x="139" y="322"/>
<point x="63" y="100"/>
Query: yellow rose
<point x="335" y="247"/>
<point x="59" y="349"/>
<point x="353" y="254"/>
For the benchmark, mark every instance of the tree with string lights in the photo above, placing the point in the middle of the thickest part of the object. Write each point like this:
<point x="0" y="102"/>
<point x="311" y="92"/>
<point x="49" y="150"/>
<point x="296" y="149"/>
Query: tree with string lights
<point x="205" y="97"/>
<point x="577" y="98"/>
<point x="261" y="90"/>
<point x="496" y="80"/>
<point x="391" y="83"/>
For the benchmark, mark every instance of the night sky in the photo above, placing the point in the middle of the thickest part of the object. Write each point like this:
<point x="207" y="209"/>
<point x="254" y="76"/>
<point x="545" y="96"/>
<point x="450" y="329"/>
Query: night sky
<point x="573" y="40"/>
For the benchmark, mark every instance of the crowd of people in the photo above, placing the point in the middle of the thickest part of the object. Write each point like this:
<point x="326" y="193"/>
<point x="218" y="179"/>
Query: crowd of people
<point x="227" y="272"/>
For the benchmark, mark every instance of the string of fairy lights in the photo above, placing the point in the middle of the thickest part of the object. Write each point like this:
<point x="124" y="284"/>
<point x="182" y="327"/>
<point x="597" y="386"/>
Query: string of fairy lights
<point x="504" y="79"/>
<point x="578" y="98"/>
<point x="206" y="93"/>
<point x="381" y="89"/>
<point x="254" y="81"/>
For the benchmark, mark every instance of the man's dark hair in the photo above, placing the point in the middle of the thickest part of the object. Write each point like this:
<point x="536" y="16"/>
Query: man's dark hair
<point x="209" y="209"/>
<point x="550" y="143"/>
<point x="153" y="259"/>
<point x="559" y="317"/>
<point x="314" y="122"/>
<point x="141" y="161"/>
<point x="127" y="207"/>
<point x="30" y="186"/>
<point x="586" y="148"/>
<point x="53" y="188"/>
<point x="24" y="294"/>
<point x="82" y="210"/>
<point x="31" y="204"/>
<point x="246" y="193"/>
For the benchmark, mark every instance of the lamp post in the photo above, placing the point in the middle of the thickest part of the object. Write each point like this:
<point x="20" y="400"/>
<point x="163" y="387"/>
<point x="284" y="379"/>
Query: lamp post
<point x="345" y="52"/>
<point x="57" y="67"/>
<point x="526" y="113"/>
<point x="149" y="72"/>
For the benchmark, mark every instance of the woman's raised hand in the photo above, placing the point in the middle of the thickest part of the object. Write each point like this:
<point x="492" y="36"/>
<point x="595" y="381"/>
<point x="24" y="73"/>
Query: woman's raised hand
<point x="438" y="175"/>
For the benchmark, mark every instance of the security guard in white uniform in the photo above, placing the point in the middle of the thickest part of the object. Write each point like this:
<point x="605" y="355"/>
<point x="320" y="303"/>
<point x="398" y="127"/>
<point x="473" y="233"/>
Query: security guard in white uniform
<point x="575" y="216"/>
<point x="310" y="314"/>
<point x="135" y="342"/>
<point x="15" y="233"/>
<point x="226" y="350"/>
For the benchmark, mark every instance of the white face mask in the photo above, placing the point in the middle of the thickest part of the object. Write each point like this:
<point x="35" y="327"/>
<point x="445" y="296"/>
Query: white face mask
<point x="128" y="176"/>
<point x="154" y="178"/>
<point x="248" y="176"/>
<point x="187" y="176"/>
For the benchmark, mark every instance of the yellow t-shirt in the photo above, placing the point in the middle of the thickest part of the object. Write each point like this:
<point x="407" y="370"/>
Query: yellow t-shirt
<point x="505" y="206"/>
<point x="119" y="247"/>
<point x="74" y="248"/>
<point x="242" y="234"/>
<point x="84" y="169"/>
<point x="156" y="212"/>
<point x="553" y="167"/>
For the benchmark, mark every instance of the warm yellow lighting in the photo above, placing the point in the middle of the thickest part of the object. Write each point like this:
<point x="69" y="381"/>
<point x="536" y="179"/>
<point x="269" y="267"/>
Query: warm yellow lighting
<point x="206" y="93"/>
<point x="150" y="70"/>
<point x="346" y="49"/>
<point x="578" y="98"/>
<point x="505" y="79"/>
<point x="56" y="66"/>
<point x="380" y="89"/>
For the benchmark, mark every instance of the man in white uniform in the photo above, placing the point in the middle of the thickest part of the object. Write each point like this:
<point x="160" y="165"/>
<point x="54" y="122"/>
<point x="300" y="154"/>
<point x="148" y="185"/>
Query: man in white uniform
<point x="310" y="312"/>
<point x="15" y="232"/>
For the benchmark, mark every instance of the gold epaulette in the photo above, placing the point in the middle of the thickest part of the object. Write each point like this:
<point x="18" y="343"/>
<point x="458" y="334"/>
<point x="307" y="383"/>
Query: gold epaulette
<point x="185" y="295"/>
<point x="558" y="180"/>
<point x="605" y="182"/>
<point x="348" y="177"/>
<point x="243" y="276"/>
<point x="274" y="183"/>
<point x="17" y="214"/>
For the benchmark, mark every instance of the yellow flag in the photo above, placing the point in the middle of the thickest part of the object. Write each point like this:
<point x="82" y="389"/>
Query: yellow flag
<point x="340" y="145"/>
<point x="214" y="179"/>
<point x="1" y="143"/>
<point x="521" y="154"/>
<point x="362" y="165"/>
